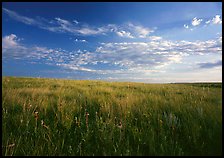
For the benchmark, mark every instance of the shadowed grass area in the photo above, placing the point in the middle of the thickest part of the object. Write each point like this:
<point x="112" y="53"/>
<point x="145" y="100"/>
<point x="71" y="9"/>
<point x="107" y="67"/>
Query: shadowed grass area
<point x="110" y="118"/>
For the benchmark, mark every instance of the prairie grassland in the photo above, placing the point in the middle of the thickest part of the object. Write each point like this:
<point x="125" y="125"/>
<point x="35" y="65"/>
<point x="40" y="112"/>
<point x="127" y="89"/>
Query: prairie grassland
<point x="71" y="117"/>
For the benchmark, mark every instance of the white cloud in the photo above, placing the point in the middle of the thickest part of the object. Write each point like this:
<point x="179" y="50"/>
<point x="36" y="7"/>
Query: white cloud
<point x="80" y="40"/>
<point x="209" y="65"/>
<point x="62" y="21"/>
<point x="217" y="20"/>
<point x="18" y="17"/>
<point x="207" y="22"/>
<point x="60" y="25"/>
<point x="57" y="25"/>
<point x="74" y="67"/>
<point x="186" y="26"/>
<point x="90" y="31"/>
<point x="124" y="59"/>
<point x="140" y="31"/>
<point x="75" y="21"/>
<point x="43" y="49"/>
<point x="155" y="38"/>
<point x="10" y="41"/>
<point x="150" y="54"/>
<point x="196" y="21"/>
<point x="124" y="34"/>
<point x="12" y="48"/>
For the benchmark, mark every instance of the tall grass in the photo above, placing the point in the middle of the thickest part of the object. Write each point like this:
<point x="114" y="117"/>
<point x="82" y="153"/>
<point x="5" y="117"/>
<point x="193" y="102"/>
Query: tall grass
<point x="105" y="118"/>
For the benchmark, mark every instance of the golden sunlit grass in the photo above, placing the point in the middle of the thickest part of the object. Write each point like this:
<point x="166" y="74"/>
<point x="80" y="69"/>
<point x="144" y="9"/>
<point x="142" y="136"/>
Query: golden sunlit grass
<point x="65" y="117"/>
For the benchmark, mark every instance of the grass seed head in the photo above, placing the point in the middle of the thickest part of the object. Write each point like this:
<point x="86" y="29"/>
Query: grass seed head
<point x="87" y="115"/>
<point x="43" y="124"/>
<point x="120" y="125"/>
<point x="161" y="121"/>
<point x="11" y="145"/>
<point x="36" y="115"/>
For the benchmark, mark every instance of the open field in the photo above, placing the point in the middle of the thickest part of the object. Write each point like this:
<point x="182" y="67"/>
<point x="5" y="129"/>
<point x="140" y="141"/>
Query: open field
<point x="109" y="118"/>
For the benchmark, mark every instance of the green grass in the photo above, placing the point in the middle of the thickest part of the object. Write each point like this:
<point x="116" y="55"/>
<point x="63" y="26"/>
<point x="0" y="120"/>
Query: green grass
<point x="124" y="118"/>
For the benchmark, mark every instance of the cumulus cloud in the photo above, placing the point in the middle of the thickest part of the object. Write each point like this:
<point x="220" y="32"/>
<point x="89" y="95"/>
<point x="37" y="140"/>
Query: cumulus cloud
<point x="196" y="21"/>
<point x="11" y="46"/>
<point x="10" y="41"/>
<point x="217" y="20"/>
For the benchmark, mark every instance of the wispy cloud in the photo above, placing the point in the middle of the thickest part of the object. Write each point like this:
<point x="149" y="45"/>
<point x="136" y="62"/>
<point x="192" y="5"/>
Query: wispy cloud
<point x="155" y="38"/>
<point x="60" y="25"/>
<point x="140" y="31"/>
<point x="210" y="64"/>
<point x="21" y="18"/>
<point x="56" y="25"/>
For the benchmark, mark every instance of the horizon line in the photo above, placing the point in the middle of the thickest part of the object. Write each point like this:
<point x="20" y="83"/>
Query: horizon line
<point x="108" y="80"/>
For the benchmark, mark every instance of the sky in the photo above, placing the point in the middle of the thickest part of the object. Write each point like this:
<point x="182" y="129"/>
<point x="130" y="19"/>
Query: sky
<point x="151" y="42"/>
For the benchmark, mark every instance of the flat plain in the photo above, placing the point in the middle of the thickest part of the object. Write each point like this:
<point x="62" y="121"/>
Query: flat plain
<point x="82" y="117"/>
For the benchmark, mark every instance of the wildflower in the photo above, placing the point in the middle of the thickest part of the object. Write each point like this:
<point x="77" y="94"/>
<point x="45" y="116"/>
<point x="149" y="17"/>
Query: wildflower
<point x="36" y="115"/>
<point x="43" y="124"/>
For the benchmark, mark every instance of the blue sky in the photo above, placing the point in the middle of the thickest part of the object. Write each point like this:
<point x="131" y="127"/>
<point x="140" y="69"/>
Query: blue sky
<point x="140" y="42"/>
